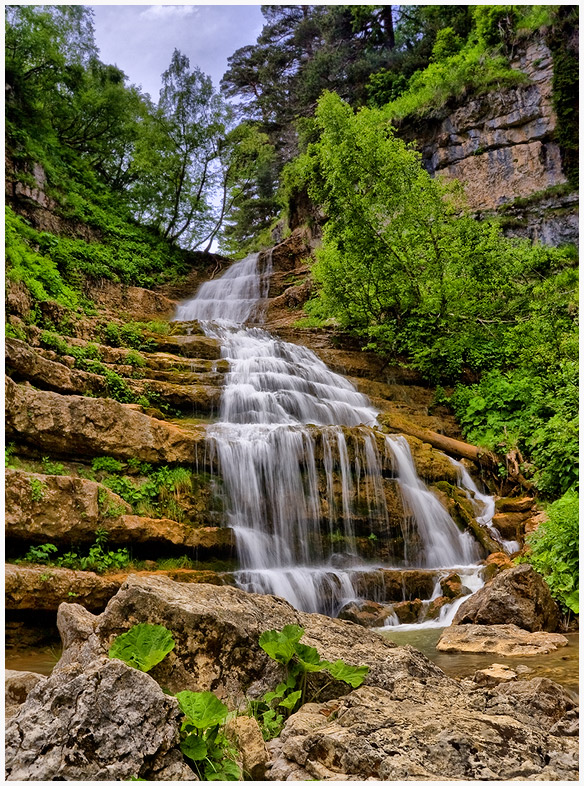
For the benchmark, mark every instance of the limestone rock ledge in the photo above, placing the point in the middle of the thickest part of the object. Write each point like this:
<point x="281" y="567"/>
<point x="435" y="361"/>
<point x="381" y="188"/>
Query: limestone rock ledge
<point x="44" y="588"/>
<point x="508" y="640"/>
<point x="76" y="425"/>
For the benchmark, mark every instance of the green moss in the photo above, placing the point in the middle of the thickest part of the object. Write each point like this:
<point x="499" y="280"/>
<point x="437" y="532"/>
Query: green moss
<point x="538" y="196"/>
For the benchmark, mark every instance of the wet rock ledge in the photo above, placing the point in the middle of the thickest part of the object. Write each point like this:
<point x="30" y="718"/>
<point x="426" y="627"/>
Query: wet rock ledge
<point x="97" y="719"/>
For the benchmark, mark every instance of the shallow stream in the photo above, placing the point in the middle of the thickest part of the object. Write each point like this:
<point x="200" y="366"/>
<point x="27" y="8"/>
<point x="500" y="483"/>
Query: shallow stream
<point x="560" y="666"/>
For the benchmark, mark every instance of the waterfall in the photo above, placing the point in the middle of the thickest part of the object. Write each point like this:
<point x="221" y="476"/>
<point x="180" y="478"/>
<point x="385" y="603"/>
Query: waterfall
<point x="296" y="446"/>
<point x="483" y="507"/>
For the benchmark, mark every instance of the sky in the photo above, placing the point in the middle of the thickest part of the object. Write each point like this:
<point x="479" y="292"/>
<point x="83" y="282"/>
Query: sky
<point x="140" y="39"/>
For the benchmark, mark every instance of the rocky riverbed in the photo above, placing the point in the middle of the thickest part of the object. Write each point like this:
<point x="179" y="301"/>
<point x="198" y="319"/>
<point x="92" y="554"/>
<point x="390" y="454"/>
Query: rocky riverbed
<point x="96" y="718"/>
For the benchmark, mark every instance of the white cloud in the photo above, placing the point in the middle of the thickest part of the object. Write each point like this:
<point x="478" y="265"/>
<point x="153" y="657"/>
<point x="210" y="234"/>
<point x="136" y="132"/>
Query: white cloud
<point x="169" y="11"/>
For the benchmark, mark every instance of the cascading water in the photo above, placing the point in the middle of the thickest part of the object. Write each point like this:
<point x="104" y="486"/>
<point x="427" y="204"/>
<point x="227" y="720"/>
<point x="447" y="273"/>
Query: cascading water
<point x="296" y="446"/>
<point x="483" y="506"/>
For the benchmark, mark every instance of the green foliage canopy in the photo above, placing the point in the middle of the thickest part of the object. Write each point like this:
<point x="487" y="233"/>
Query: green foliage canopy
<point x="554" y="550"/>
<point x="406" y="269"/>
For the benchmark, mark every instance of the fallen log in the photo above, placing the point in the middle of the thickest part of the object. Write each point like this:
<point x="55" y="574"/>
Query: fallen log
<point x="398" y="424"/>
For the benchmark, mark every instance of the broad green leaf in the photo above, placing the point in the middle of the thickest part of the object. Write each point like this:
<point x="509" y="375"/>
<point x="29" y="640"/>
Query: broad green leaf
<point x="203" y="710"/>
<point x="227" y="770"/>
<point x="194" y="747"/>
<point x="143" y="646"/>
<point x="280" y="645"/>
<point x="276" y="694"/>
<point x="572" y="601"/>
<point x="290" y="701"/>
<point x="309" y="657"/>
<point x="353" y="675"/>
<point x="271" y="724"/>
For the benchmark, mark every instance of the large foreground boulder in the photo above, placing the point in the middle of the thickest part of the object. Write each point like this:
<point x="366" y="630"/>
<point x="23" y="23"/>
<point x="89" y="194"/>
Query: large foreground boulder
<point x="518" y="596"/>
<point x="108" y="722"/>
<point x="424" y="733"/>
<point x="217" y="628"/>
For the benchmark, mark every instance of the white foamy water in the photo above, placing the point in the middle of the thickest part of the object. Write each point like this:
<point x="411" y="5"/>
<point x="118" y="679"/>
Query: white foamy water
<point x="295" y="444"/>
<point x="483" y="507"/>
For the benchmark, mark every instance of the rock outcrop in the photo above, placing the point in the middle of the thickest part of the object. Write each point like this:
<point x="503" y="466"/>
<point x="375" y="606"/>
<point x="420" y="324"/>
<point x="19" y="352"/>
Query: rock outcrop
<point x="17" y="686"/>
<point x="67" y="509"/>
<point x="76" y="425"/>
<point x="24" y="363"/>
<point x="217" y="631"/>
<point x="501" y="147"/>
<point x="64" y="508"/>
<point x="518" y="596"/>
<point x="108" y="722"/>
<point x="44" y="588"/>
<point x="422" y="732"/>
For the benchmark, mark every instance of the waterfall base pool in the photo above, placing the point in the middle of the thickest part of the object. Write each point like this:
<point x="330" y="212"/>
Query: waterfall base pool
<point x="560" y="666"/>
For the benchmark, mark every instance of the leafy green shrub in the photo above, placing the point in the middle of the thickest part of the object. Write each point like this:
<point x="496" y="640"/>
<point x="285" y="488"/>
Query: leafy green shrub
<point x="143" y="646"/>
<point x="299" y="660"/>
<point x="111" y="335"/>
<point x="135" y="359"/>
<point x="156" y="326"/>
<point x="553" y="550"/>
<point x="134" y="494"/>
<point x="37" y="489"/>
<point x="131" y="336"/>
<point x="14" y="332"/>
<point x="534" y="413"/>
<point x="106" y="464"/>
<point x="40" y="555"/>
<point x="36" y="270"/>
<point x="8" y="451"/>
<point x="203" y="741"/>
<point x="97" y="559"/>
<point x="117" y="387"/>
<point x="136" y="465"/>
<point x="495" y="24"/>
<point x="108" y="506"/>
<point x="474" y="69"/>
<point x="86" y="358"/>
<point x="176" y="563"/>
<point x="52" y="467"/>
<point x="447" y="44"/>
<point x="161" y="490"/>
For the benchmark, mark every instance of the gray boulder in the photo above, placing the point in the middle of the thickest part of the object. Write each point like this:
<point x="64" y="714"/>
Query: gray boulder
<point x="217" y="629"/>
<point x="518" y="596"/>
<point x="17" y="686"/>
<point x="108" y="722"/>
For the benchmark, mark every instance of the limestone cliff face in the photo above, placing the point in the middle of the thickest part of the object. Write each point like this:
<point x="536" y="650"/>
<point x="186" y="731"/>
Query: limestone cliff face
<point x="501" y="147"/>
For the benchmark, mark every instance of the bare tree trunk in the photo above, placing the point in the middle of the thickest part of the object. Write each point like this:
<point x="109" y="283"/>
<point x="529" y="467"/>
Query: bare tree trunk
<point x="387" y="19"/>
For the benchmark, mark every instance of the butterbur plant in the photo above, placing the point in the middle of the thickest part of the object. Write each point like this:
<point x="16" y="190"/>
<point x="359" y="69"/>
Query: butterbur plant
<point x="203" y="740"/>
<point x="299" y="660"/>
<point x="143" y="646"/>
